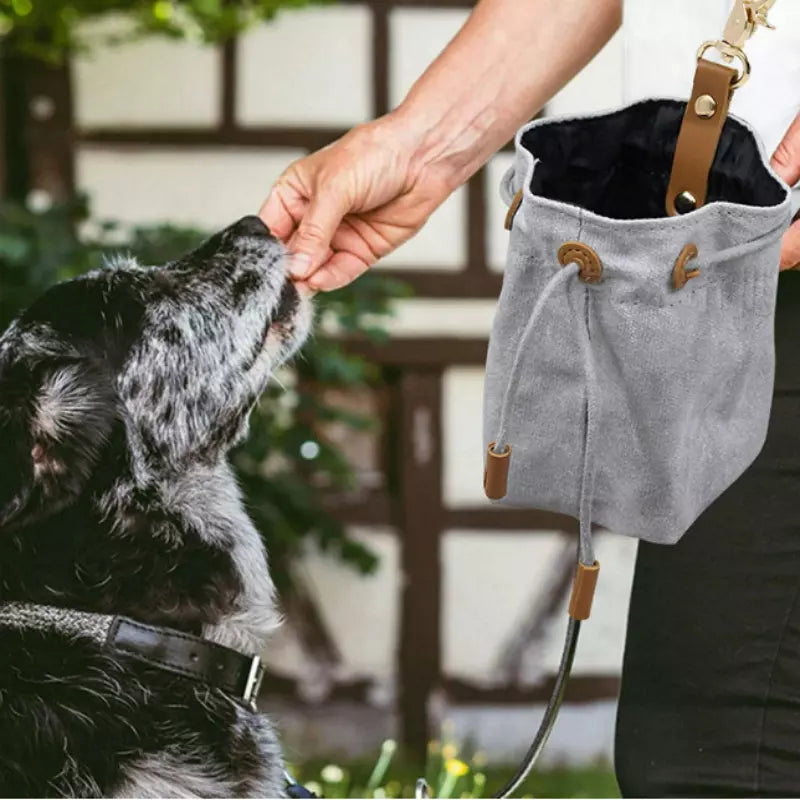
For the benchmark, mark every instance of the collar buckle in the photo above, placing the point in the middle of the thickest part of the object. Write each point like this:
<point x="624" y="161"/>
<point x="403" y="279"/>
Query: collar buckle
<point x="252" y="685"/>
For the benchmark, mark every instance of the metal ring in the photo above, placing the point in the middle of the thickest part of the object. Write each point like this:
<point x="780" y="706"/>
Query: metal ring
<point x="728" y="53"/>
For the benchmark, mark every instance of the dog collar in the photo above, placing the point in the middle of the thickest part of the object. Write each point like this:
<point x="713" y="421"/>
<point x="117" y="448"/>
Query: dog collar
<point x="184" y="654"/>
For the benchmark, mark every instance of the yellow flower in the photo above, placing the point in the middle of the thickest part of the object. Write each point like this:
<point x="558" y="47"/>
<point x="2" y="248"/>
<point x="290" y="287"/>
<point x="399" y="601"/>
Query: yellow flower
<point x="162" y="10"/>
<point x="456" y="768"/>
<point x="332" y="774"/>
<point x="449" y="751"/>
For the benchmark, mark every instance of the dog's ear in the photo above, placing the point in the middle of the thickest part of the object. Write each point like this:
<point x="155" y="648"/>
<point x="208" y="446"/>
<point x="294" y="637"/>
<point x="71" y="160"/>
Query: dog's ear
<point x="55" y="418"/>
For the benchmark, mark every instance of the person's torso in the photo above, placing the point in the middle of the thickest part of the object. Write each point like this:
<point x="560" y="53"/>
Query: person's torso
<point x="661" y="40"/>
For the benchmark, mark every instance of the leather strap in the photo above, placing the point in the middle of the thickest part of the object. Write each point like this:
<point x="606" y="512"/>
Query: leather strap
<point x="188" y="656"/>
<point x="699" y="136"/>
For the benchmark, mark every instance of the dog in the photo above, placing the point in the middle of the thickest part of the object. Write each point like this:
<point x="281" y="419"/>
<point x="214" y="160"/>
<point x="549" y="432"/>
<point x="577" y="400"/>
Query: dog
<point x="121" y="394"/>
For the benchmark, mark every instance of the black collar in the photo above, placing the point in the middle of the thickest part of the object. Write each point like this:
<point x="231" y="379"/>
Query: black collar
<point x="184" y="654"/>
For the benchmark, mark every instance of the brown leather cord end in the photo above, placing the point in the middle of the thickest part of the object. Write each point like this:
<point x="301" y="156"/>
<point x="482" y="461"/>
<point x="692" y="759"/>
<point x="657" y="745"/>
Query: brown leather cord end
<point x="681" y="275"/>
<point x="495" y="475"/>
<point x="512" y="209"/>
<point x="699" y="137"/>
<point x="580" y="603"/>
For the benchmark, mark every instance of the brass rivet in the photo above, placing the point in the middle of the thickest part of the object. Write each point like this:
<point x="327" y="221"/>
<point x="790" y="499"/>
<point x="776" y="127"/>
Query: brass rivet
<point x="685" y="202"/>
<point x="705" y="106"/>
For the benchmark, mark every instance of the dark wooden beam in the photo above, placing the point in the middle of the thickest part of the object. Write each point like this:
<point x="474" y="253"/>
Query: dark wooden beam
<point x="580" y="689"/>
<point x="499" y="518"/>
<point x="420" y="351"/>
<point x="476" y="227"/>
<point x="228" y="86"/>
<point x="419" y="516"/>
<point x="48" y="124"/>
<point x="380" y="59"/>
<point x="375" y="508"/>
<point x="187" y="138"/>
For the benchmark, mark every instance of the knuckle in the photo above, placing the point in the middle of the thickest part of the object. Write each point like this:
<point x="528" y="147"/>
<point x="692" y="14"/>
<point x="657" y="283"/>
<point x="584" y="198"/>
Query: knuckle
<point x="311" y="232"/>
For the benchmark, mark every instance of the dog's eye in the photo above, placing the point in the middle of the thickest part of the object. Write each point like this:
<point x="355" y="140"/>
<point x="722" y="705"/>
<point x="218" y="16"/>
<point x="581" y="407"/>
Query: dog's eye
<point x="37" y="453"/>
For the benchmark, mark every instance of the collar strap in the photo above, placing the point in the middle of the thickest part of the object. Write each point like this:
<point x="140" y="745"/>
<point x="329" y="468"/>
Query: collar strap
<point x="174" y="651"/>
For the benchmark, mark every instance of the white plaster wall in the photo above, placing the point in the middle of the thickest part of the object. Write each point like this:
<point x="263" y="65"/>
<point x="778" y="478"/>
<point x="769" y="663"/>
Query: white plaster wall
<point x="157" y="81"/>
<point x="416" y="37"/>
<point x="462" y="450"/>
<point x="308" y="66"/>
<point x="596" y="88"/>
<point x="441" y="244"/>
<point x="421" y="316"/>
<point x="361" y="612"/>
<point x="496" y="233"/>
<point x="201" y="187"/>
<point x="492" y="578"/>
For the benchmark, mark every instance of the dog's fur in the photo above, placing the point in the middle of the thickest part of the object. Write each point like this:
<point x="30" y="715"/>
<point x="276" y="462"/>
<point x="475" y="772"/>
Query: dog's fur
<point x="121" y="393"/>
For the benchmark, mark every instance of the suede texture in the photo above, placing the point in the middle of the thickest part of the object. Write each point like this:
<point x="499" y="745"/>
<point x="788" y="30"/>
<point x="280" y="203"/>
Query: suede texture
<point x="681" y="380"/>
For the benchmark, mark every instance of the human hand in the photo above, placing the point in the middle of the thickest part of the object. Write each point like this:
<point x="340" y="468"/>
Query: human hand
<point x="342" y="208"/>
<point x="786" y="162"/>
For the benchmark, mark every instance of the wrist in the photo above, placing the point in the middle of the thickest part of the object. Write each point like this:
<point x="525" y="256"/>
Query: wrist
<point x="448" y="143"/>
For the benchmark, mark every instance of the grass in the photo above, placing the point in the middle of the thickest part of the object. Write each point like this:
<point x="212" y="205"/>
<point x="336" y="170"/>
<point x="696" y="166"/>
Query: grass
<point x="448" y="776"/>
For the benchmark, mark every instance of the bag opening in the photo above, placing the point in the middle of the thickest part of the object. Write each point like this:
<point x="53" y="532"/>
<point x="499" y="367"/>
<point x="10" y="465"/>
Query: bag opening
<point x="618" y="165"/>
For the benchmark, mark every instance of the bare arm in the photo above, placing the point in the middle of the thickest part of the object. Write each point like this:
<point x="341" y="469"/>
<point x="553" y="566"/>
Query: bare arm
<point x="344" y="207"/>
<point x="507" y="61"/>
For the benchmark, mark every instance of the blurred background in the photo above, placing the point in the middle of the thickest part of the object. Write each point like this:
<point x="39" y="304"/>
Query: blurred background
<point x="416" y="612"/>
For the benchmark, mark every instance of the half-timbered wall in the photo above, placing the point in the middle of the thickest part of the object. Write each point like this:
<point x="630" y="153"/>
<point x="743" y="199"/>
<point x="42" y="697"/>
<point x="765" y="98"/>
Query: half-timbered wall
<point x="465" y="617"/>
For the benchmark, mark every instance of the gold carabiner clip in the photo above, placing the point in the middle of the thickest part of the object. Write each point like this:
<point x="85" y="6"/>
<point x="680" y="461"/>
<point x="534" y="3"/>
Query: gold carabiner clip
<point x="745" y="19"/>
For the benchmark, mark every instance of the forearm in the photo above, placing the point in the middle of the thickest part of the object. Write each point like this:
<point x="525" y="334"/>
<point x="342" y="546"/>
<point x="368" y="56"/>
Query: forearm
<point x="507" y="61"/>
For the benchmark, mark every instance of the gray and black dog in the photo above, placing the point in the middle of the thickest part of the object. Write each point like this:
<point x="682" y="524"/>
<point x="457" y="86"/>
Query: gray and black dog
<point x="121" y="394"/>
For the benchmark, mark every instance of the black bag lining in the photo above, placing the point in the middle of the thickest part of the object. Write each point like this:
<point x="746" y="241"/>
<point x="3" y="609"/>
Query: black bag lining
<point x="618" y="165"/>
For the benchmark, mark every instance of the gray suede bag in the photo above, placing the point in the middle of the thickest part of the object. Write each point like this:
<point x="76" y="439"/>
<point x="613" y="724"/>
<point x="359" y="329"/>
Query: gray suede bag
<point x="630" y="368"/>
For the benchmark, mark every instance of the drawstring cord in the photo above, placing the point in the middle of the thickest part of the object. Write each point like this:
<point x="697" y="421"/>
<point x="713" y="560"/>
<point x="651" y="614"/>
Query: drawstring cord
<point x="586" y="558"/>
<point x="501" y="444"/>
<point x="585" y="541"/>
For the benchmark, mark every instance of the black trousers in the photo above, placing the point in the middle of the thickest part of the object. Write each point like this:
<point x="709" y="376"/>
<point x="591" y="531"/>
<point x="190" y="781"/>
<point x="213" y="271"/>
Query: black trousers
<point x="710" y="700"/>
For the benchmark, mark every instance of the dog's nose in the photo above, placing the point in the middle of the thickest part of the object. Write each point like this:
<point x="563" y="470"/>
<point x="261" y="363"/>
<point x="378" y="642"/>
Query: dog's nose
<point x="250" y="226"/>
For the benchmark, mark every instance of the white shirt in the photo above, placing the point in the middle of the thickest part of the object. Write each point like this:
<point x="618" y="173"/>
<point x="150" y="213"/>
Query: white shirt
<point x="661" y="38"/>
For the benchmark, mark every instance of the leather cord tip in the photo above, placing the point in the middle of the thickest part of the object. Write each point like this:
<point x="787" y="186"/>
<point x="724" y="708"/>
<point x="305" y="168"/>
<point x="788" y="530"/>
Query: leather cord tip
<point x="580" y="603"/>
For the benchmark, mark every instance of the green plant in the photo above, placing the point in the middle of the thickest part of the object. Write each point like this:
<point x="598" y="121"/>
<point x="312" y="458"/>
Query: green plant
<point x="50" y="29"/>
<point x="450" y="772"/>
<point x="284" y="482"/>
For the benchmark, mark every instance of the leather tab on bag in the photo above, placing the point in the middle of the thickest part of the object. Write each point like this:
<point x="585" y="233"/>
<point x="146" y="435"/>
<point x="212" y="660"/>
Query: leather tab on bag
<point x="699" y="137"/>
<point x="512" y="209"/>
<point x="580" y="603"/>
<point x="495" y="475"/>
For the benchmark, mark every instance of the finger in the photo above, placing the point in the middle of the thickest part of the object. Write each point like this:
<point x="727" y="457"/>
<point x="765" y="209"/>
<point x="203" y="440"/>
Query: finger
<point x="342" y="268"/>
<point x="281" y="211"/>
<point x="786" y="161"/>
<point x="310" y="242"/>
<point x="790" y="254"/>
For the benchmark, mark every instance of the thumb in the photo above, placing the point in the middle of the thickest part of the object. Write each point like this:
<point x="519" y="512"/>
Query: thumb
<point x="786" y="161"/>
<point x="310" y="244"/>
